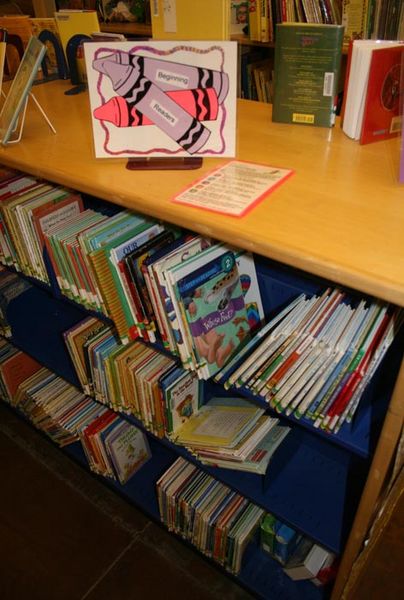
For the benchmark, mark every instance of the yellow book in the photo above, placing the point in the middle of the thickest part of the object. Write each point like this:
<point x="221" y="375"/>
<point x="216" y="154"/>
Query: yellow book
<point x="221" y="425"/>
<point x="186" y="20"/>
<point x="73" y="22"/>
<point x="254" y="20"/>
<point x="106" y="284"/>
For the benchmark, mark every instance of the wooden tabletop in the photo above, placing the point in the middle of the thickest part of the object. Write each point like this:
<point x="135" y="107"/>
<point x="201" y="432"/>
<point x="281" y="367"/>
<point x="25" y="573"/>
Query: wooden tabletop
<point x="340" y="216"/>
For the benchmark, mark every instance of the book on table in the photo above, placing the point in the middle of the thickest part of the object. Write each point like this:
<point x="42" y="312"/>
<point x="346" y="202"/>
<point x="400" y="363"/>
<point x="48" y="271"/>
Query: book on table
<point x="307" y="63"/>
<point x="370" y="109"/>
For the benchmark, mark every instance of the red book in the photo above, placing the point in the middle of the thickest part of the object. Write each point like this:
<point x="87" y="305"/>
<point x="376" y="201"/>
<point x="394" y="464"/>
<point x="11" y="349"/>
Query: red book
<point x="55" y="211"/>
<point x="16" y="369"/>
<point x="381" y="118"/>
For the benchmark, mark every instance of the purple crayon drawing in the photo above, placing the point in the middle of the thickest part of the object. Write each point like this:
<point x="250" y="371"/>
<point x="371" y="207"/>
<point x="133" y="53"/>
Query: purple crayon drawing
<point x="167" y="75"/>
<point x="152" y="102"/>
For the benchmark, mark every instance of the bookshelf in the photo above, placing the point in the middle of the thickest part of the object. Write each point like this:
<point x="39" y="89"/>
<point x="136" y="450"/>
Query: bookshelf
<point x="339" y="218"/>
<point x="127" y="29"/>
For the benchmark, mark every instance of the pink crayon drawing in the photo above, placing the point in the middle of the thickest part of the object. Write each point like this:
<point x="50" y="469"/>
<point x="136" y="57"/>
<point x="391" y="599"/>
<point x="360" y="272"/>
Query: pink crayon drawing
<point x="201" y="104"/>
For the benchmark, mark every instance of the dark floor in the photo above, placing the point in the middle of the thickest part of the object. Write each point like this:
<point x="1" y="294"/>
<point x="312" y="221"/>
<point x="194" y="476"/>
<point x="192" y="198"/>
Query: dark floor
<point x="65" y="536"/>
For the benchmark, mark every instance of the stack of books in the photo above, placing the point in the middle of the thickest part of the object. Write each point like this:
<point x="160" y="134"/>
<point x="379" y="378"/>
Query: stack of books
<point x="249" y="441"/>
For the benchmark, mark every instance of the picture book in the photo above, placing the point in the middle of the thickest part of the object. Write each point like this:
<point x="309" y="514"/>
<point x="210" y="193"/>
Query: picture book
<point x="20" y="88"/>
<point x="175" y="314"/>
<point x="257" y="459"/>
<point x="220" y="423"/>
<point x="175" y="19"/>
<point x="212" y="301"/>
<point x="314" y="50"/>
<point x="75" y="338"/>
<point x="182" y="398"/>
<point x="163" y="302"/>
<point x="239" y="17"/>
<point x="128" y="449"/>
<point x="135" y="270"/>
<point x="381" y="112"/>
<point x="115" y="254"/>
<point x="162" y="98"/>
<point x="40" y="24"/>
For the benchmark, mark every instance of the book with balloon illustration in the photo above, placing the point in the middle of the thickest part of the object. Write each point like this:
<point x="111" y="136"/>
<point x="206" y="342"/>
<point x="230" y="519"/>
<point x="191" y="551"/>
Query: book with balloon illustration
<point x="218" y="304"/>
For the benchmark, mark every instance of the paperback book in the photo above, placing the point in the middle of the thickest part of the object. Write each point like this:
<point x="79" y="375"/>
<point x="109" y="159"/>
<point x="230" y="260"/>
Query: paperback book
<point x="307" y="63"/>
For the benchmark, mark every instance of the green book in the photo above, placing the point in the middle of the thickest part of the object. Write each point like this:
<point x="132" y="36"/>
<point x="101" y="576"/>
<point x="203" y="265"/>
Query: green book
<point x="307" y="63"/>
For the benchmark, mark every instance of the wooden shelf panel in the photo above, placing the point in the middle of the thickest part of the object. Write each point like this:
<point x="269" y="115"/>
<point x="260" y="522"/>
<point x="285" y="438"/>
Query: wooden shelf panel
<point x="340" y="216"/>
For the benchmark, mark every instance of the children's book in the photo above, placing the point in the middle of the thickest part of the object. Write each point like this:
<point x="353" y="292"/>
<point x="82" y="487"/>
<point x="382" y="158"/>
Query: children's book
<point x="128" y="449"/>
<point x="182" y="393"/>
<point x="134" y="273"/>
<point x="221" y="422"/>
<point x="314" y="49"/>
<point x="214" y="312"/>
<point x="175" y="313"/>
<point x="20" y="88"/>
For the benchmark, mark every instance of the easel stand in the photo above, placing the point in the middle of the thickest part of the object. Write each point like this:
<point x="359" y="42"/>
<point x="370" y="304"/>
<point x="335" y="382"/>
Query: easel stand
<point x="20" y="127"/>
<point x="164" y="164"/>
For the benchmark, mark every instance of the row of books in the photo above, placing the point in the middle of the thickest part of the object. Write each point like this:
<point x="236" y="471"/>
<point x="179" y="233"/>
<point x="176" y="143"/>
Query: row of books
<point x="139" y="380"/>
<point x="130" y="378"/>
<point x="154" y="281"/>
<point x="362" y="19"/>
<point x="375" y="19"/>
<point x="114" y="447"/>
<point x="255" y="75"/>
<point x="300" y="557"/>
<point x="316" y="357"/>
<point x="215" y="519"/>
<point x="262" y="16"/>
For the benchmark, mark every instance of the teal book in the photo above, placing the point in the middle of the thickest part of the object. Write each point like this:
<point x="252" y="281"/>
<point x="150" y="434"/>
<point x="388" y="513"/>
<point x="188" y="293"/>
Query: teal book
<point x="213" y="305"/>
<point x="307" y="64"/>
